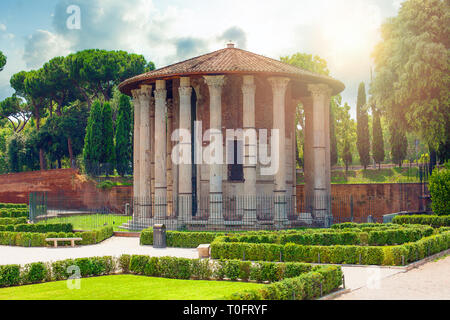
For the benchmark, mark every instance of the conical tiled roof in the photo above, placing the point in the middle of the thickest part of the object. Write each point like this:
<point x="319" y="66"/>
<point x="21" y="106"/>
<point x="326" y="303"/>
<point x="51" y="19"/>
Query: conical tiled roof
<point x="229" y="61"/>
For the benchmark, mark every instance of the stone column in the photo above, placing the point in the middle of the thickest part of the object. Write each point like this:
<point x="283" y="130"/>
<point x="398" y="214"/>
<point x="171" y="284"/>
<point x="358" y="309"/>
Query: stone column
<point x="136" y="163"/>
<point x="169" y="168"/>
<point x="145" y="159"/>
<point x="321" y="179"/>
<point x="279" y="86"/>
<point x="308" y="155"/>
<point x="215" y="84"/>
<point x="185" y="169"/>
<point x="160" y="150"/>
<point x="250" y="149"/>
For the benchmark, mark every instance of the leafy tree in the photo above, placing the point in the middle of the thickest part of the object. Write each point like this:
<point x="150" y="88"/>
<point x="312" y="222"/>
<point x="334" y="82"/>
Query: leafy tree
<point x="15" y="147"/>
<point x="31" y="86"/>
<point x="95" y="72"/>
<point x="93" y="139"/>
<point x="412" y="68"/>
<point x="124" y="143"/>
<point x="13" y="108"/>
<point x="440" y="190"/>
<point x="363" y="139"/>
<point x="399" y="144"/>
<point x="347" y="153"/>
<point x="107" y="153"/>
<point x="2" y="61"/>
<point x="377" y="136"/>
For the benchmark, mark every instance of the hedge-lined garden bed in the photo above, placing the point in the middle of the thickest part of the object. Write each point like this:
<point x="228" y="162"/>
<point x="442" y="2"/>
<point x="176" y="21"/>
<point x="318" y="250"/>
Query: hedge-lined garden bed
<point x="434" y="221"/>
<point x="37" y="228"/>
<point x="180" y="239"/>
<point x="34" y="239"/>
<point x="13" y="212"/>
<point x="287" y="280"/>
<point x="12" y="221"/>
<point x="13" y="205"/>
<point x="223" y="248"/>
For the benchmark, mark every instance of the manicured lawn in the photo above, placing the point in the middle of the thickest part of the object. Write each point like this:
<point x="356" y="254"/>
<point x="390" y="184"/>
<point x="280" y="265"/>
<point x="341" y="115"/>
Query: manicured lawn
<point x="128" y="287"/>
<point x="93" y="221"/>
<point x="387" y="175"/>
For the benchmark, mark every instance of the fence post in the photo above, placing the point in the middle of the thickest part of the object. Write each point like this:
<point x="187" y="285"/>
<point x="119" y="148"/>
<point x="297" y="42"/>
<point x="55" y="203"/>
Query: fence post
<point x="351" y="208"/>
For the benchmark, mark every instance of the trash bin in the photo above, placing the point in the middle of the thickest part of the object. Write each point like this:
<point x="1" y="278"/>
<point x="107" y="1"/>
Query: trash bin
<point x="159" y="236"/>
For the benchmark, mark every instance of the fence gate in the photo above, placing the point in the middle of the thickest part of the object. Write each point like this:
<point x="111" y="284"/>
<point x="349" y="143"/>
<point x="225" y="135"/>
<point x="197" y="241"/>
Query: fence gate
<point x="37" y="205"/>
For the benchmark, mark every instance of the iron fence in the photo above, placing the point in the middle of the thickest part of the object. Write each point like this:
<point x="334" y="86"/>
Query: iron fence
<point x="204" y="213"/>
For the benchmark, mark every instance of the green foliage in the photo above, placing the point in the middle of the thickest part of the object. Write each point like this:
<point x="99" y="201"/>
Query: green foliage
<point x="180" y="239"/>
<point x="9" y="275"/>
<point x="94" y="138"/>
<point x="124" y="136"/>
<point x="363" y="137"/>
<point x="34" y="273"/>
<point x="377" y="138"/>
<point x="434" y="221"/>
<point x="107" y="153"/>
<point x="2" y="61"/>
<point x="399" y="144"/>
<point x="439" y="186"/>
<point x="412" y="69"/>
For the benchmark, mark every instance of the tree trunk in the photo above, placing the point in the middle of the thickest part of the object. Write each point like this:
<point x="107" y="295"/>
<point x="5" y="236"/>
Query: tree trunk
<point x="69" y="147"/>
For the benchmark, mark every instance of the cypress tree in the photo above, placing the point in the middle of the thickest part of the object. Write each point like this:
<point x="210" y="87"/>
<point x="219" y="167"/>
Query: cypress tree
<point x="347" y="153"/>
<point x="399" y="144"/>
<point x="377" y="134"/>
<point x="107" y="154"/>
<point x="94" y="139"/>
<point x="362" y="118"/>
<point x="124" y="142"/>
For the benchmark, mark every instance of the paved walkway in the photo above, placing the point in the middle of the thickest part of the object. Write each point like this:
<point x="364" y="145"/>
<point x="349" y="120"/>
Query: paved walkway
<point x="430" y="281"/>
<point x="114" y="246"/>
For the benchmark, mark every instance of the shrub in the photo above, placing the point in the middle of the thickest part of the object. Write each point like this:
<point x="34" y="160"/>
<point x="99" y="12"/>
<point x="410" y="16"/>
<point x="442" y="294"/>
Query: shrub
<point x="12" y="221"/>
<point x="434" y="221"/>
<point x="180" y="239"/>
<point x="60" y="269"/>
<point x="439" y="186"/>
<point x="202" y="270"/>
<point x="176" y="268"/>
<point x="34" y="273"/>
<point x="124" y="263"/>
<point x="137" y="263"/>
<point x="9" y="275"/>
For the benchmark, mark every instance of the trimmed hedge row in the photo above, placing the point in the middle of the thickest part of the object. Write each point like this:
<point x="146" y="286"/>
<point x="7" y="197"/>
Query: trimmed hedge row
<point x="296" y="280"/>
<point x="13" y="213"/>
<point x="32" y="239"/>
<point x="434" y="221"/>
<point x="38" y="272"/>
<point x="179" y="239"/>
<point x="308" y="286"/>
<point x="38" y="228"/>
<point x="365" y="255"/>
<point x="13" y="205"/>
<point x="11" y="221"/>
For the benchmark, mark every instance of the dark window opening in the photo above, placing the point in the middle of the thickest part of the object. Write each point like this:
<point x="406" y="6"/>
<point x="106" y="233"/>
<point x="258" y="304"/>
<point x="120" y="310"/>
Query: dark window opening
<point x="236" y="168"/>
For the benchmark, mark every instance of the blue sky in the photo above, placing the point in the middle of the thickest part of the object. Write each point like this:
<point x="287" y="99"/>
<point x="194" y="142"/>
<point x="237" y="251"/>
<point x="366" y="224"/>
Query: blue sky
<point x="341" y="31"/>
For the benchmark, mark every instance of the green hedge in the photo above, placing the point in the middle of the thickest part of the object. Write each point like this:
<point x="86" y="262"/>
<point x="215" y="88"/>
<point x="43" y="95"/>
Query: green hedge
<point x="12" y="221"/>
<point x="365" y="255"/>
<point x="307" y="286"/>
<point x="38" y="228"/>
<point x="13" y="213"/>
<point x="288" y="280"/>
<point x="180" y="239"/>
<point x="434" y="221"/>
<point x="13" y="205"/>
<point x="31" y="239"/>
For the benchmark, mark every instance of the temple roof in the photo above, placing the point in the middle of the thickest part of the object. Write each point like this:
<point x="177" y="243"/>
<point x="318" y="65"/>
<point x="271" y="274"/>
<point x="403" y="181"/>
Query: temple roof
<point x="230" y="60"/>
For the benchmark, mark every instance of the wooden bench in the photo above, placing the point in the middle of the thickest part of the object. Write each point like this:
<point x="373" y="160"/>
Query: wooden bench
<point x="55" y="241"/>
<point x="203" y="251"/>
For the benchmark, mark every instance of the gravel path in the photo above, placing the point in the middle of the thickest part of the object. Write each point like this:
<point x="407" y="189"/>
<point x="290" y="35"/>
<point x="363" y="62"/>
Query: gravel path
<point x="114" y="246"/>
<point x="430" y="281"/>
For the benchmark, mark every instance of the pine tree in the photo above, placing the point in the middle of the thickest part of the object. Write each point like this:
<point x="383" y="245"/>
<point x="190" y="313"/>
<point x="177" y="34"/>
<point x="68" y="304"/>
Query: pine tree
<point x="107" y="154"/>
<point x="124" y="142"/>
<point x="399" y="144"/>
<point x="377" y="142"/>
<point x="94" y="139"/>
<point x="362" y="118"/>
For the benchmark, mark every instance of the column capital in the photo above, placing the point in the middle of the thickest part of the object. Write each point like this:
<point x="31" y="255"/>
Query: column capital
<point x="215" y="82"/>
<point x="318" y="90"/>
<point x="248" y="85"/>
<point x="145" y="93"/>
<point x="160" y="94"/>
<point x="185" y="91"/>
<point x="135" y="94"/>
<point x="279" y="84"/>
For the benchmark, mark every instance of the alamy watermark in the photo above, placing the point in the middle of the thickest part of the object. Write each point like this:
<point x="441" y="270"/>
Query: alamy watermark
<point x="73" y="22"/>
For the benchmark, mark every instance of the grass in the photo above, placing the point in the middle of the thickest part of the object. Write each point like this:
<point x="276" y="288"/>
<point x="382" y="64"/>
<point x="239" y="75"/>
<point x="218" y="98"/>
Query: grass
<point x="128" y="287"/>
<point x="92" y="221"/>
<point x="386" y="175"/>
